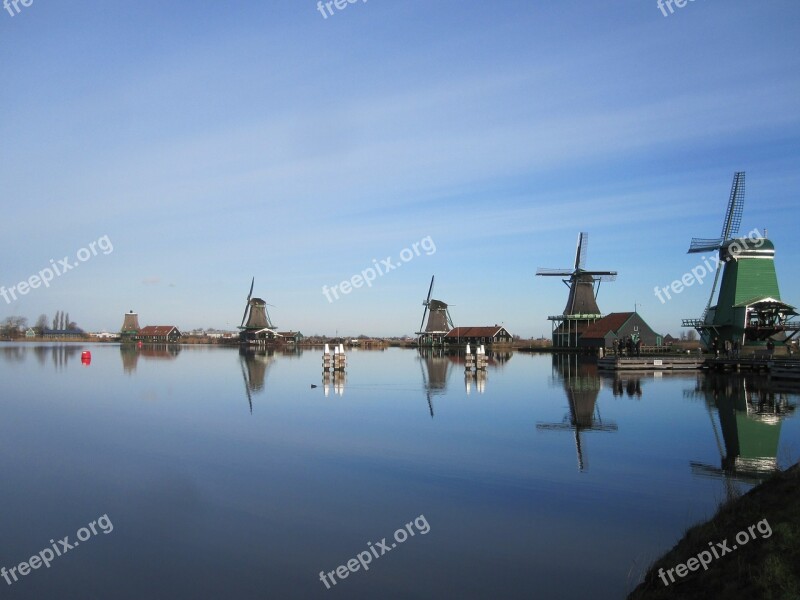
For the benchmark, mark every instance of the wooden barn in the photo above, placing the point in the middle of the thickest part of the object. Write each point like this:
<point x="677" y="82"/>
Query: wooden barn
<point x="617" y="326"/>
<point x="488" y="335"/>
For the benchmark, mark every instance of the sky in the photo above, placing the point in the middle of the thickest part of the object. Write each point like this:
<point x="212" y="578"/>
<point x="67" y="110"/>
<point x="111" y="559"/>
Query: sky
<point x="207" y="143"/>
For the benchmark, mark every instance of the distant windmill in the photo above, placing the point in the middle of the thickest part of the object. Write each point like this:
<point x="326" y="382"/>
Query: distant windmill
<point x="256" y="315"/>
<point x="730" y="227"/>
<point x="581" y="308"/>
<point x="439" y="321"/>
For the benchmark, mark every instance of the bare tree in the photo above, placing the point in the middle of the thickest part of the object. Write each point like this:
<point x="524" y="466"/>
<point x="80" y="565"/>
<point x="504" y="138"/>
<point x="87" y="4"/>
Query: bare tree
<point x="41" y="324"/>
<point x="12" y="326"/>
<point x="66" y="321"/>
<point x="691" y="335"/>
<point x="55" y="320"/>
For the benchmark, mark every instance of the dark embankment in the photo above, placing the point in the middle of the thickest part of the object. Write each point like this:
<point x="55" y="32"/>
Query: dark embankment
<point x="763" y="567"/>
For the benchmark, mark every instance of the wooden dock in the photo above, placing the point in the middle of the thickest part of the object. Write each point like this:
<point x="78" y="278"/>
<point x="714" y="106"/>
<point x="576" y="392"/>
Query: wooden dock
<point x="651" y="363"/>
<point x="781" y="368"/>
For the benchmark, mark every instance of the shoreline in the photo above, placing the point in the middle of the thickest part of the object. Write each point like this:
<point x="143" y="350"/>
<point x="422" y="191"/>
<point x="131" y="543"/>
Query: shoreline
<point x="764" y="566"/>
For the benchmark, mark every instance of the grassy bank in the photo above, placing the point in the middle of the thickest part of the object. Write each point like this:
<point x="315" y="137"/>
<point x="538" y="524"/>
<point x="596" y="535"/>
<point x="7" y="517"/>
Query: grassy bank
<point x="764" y="567"/>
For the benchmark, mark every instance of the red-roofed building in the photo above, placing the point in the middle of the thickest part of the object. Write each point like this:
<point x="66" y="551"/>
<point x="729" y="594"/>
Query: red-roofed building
<point x="492" y="334"/>
<point x="603" y="332"/>
<point x="159" y="333"/>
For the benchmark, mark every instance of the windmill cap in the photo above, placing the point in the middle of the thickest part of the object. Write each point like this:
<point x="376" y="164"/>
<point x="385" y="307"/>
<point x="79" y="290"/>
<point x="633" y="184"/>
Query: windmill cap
<point x="747" y="246"/>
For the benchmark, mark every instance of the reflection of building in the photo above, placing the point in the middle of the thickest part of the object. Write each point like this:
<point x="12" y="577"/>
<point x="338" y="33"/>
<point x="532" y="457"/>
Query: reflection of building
<point x="59" y="354"/>
<point x="254" y="370"/>
<point x="582" y="386"/>
<point x="436" y="366"/>
<point x="750" y="415"/>
<point x="130" y="354"/>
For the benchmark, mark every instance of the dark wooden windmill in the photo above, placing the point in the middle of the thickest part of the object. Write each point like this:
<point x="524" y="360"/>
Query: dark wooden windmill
<point x="439" y="321"/>
<point x="256" y="324"/>
<point x="581" y="309"/>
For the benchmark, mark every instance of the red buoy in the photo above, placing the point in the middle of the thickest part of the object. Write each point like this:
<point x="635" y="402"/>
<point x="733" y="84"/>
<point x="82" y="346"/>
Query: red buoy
<point x="86" y="357"/>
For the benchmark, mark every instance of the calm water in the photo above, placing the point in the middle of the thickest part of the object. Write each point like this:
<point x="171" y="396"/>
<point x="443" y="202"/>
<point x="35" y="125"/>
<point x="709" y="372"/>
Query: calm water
<point x="231" y="477"/>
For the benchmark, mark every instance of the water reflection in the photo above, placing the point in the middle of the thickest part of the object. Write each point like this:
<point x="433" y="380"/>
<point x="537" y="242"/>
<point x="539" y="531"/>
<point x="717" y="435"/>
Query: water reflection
<point x="336" y="379"/>
<point x="436" y="366"/>
<point x="254" y="364"/>
<point x="58" y="354"/>
<point x="750" y="413"/>
<point x="130" y="354"/>
<point x="582" y="385"/>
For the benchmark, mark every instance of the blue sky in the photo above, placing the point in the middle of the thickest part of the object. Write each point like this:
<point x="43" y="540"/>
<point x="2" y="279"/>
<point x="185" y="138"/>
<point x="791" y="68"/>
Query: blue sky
<point x="214" y="142"/>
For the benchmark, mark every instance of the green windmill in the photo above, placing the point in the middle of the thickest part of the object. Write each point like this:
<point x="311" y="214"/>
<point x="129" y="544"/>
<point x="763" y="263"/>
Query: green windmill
<point x="749" y="307"/>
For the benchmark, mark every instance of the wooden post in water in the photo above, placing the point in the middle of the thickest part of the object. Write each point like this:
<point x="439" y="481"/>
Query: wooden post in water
<point x="469" y="360"/>
<point x="326" y="359"/>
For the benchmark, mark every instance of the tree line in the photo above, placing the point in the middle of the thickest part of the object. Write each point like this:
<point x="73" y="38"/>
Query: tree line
<point x="14" y="326"/>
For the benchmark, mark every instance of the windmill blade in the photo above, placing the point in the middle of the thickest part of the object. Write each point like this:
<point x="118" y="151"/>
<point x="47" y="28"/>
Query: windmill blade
<point x="244" y="316"/>
<point x="424" y="314"/>
<point x="247" y="386"/>
<point x="704" y="245"/>
<point x="580" y="252"/>
<point x="602" y="275"/>
<point x="449" y="320"/>
<point x="247" y="303"/>
<point x="554" y="272"/>
<point x="733" y="216"/>
<point x="430" y="290"/>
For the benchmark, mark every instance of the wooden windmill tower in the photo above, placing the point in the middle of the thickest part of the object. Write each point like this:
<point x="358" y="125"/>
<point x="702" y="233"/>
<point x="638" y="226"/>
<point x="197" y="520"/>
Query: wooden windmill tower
<point x="258" y="327"/>
<point x="581" y="309"/>
<point x="130" y="327"/>
<point x="439" y="321"/>
<point x="749" y="309"/>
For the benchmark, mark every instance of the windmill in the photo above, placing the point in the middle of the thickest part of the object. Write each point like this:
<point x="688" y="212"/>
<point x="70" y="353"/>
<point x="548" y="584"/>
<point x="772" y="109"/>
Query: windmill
<point x="749" y="309"/>
<point x="256" y="317"/>
<point x="730" y="227"/>
<point x="584" y="285"/>
<point x="439" y="321"/>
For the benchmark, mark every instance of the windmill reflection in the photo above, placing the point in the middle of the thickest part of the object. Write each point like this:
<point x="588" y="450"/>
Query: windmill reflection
<point x="582" y="385"/>
<point x="254" y="365"/>
<point x="436" y="366"/>
<point x="750" y="414"/>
